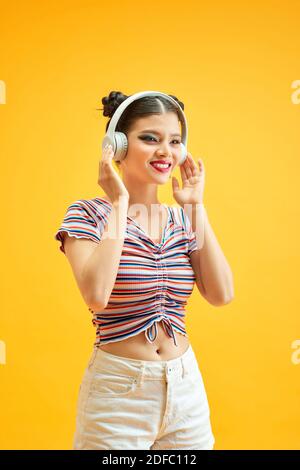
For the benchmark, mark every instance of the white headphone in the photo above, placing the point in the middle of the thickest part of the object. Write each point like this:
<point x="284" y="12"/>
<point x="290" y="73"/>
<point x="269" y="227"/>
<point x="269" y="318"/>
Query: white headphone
<point x="118" y="140"/>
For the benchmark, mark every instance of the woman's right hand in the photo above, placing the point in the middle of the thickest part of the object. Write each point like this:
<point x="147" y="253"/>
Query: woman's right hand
<point x="108" y="178"/>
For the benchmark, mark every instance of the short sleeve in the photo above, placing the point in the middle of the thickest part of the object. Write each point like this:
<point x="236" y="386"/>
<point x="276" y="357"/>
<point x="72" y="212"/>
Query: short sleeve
<point x="83" y="219"/>
<point x="191" y="235"/>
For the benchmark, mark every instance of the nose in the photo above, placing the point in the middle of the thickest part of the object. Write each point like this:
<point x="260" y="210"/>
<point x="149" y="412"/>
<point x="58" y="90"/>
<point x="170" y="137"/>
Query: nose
<point x="165" y="150"/>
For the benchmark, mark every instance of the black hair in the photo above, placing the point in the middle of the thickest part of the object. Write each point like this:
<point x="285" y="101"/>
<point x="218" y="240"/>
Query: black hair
<point x="141" y="107"/>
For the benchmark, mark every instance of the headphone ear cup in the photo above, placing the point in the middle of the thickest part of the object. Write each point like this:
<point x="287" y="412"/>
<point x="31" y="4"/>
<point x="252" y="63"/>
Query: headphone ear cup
<point x="121" y="146"/>
<point x="183" y="154"/>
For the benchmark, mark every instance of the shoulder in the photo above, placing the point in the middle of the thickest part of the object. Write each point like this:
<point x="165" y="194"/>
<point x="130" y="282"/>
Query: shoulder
<point x="97" y="207"/>
<point x="104" y="199"/>
<point x="99" y="201"/>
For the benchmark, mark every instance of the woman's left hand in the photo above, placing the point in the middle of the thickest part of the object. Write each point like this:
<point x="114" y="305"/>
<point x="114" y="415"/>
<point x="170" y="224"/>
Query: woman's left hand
<point x="192" y="182"/>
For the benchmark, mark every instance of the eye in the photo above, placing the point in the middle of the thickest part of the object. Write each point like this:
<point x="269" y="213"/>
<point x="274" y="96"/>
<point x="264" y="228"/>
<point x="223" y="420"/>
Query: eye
<point x="146" y="137"/>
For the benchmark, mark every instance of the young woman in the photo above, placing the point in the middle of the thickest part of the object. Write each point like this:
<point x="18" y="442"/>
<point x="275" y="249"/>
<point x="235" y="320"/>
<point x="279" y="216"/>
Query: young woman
<point x="135" y="261"/>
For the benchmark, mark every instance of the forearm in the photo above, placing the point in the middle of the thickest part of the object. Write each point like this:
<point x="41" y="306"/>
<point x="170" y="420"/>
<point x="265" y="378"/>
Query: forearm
<point x="102" y="267"/>
<point x="215" y="271"/>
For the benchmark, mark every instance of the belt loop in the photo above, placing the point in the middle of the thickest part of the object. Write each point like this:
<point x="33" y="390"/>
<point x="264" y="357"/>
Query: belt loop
<point x="184" y="368"/>
<point x="141" y="373"/>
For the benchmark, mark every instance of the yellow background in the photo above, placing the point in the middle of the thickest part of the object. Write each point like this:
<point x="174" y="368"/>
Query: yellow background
<point x="233" y="66"/>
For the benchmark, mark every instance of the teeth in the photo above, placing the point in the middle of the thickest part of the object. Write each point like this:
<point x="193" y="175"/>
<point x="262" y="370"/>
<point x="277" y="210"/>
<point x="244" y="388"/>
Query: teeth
<point x="161" y="165"/>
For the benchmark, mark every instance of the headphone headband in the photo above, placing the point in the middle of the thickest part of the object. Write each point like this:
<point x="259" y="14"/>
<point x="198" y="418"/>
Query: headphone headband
<point x="121" y="108"/>
<point x="119" y="140"/>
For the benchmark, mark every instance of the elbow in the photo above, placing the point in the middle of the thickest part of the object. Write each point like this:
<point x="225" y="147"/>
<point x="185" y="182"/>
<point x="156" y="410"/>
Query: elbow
<point x="219" y="301"/>
<point x="97" y="305"/>
<point x="97" y="302"/>
<point x="226" y="296"/>
<point x="222" y="301"/>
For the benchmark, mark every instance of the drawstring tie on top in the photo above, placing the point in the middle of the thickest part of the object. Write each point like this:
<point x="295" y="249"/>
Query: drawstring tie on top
<point x="168" y="327"/>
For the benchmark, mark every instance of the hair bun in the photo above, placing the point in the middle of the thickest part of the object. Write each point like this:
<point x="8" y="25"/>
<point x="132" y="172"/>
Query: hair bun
<point x="112" y="102"/>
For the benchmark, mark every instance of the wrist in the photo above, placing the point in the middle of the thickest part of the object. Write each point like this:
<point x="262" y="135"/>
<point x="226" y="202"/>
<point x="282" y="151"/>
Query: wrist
<point x="196" y="213"/>
<point x="193" y="206"/>
<point x="122" y="201"/>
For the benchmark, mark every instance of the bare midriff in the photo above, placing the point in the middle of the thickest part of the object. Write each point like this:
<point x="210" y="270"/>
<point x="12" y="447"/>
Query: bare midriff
<point x="138" y="347"/>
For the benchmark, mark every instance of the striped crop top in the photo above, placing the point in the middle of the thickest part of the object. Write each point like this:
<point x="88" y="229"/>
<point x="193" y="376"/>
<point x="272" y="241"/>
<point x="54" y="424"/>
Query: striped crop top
<point x="154" y="280"/>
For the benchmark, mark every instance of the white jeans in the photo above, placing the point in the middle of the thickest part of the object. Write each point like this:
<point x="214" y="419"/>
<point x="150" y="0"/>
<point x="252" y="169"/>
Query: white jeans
<point x="125" y="403"/>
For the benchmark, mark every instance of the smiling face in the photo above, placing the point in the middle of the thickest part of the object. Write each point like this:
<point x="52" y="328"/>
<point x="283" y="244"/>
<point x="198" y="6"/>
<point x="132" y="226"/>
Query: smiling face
<point x="145" y="147"/>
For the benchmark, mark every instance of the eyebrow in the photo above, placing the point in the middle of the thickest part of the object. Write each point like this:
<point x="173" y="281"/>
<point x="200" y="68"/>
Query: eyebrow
<point x="156" y="132"/>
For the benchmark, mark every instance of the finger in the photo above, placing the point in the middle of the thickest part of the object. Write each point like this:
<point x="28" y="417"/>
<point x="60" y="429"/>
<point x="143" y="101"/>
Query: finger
<point x="184" y="176"/>
<point x="104" y="154"/>
<point x="201" y="165"/>
<point x="175" y="183"/>
<point x="193" y="165"/>
<point x="188" y="167"/>
<point x="189" y="171"/>
<point x="108" y="153"/>
<point x="107" y="149"/>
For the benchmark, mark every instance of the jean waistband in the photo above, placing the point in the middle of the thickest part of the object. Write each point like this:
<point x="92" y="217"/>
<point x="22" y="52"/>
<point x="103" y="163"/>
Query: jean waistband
<point x="104" y="362"/>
